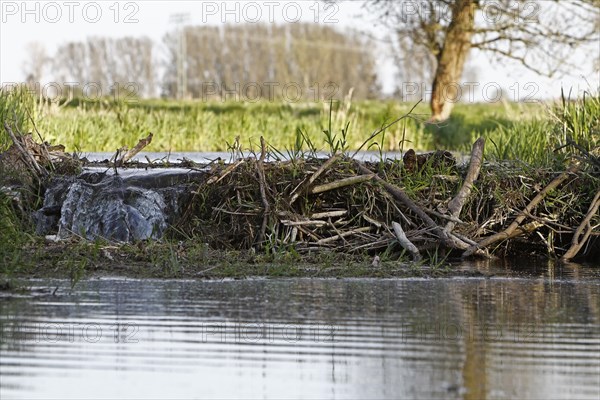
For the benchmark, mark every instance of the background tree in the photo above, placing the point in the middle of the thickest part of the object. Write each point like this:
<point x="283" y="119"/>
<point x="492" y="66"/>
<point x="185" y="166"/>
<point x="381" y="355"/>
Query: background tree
<point x="36" y="62"/>
<point x="540" y="35"/>
<point x="123" y="66"/>
<point x="309" y="57"/>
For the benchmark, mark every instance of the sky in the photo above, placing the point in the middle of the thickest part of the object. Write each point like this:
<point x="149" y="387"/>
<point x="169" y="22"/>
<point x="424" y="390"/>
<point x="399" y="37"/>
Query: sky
<point x="52" y="23"/>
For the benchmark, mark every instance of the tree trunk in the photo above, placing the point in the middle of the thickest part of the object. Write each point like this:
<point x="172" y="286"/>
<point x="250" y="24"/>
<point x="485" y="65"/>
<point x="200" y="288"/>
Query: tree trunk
<point x="451" y="60"/>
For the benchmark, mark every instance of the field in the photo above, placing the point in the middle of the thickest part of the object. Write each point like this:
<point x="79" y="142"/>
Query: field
<point x="515" y="131"/>
<point x="520" y="130"/>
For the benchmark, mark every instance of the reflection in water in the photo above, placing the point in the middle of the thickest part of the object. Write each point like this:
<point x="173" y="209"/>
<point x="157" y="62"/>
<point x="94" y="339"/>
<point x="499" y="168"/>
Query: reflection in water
<point x="415" y="338"/>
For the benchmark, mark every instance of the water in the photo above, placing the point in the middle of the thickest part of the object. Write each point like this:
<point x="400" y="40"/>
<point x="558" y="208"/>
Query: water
<point x="536" y="337"/>
<point x="206" y="157"/>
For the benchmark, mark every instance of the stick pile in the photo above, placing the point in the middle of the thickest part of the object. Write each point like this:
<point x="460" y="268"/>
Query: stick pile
<point x="344" y="204"/>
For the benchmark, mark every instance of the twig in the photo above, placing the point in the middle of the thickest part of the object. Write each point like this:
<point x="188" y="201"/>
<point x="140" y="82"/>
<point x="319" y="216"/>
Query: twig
<point x="443" y="216"/>
<point x="287" y="222"/>
<point x="308" y="233"/>
<point x="44" y="148"/>
<point x="448" y="240"/>
<point x="297" y="191"/>
<point x="337" y="231"/>
<point x="373" y="245"/>
<point x="584" y="229"/>
<point x="138" y="147"/>
<point x="250" y="214"/>
<point x="329" y="214"/>
<point x="263" y="190"/>
<point x="456" y="204"/>
<point x="27" y="157"/>
<point x="343" y="235"/>
<point x="405" y="243"/>
<point x="353" y="180"/>
<point x="372" y="221"/>
<point x="505" y="234"/>
<point x="229" y="169"/>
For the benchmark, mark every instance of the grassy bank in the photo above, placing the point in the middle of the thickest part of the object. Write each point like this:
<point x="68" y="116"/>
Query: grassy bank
<point x="527" y="145"/>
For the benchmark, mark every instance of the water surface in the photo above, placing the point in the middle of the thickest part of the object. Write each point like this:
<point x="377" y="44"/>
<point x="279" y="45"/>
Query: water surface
<point x="472" y="338"/>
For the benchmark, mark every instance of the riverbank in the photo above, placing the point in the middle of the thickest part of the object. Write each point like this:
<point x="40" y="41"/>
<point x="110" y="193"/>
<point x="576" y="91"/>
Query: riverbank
<point x="334" y="217"/>
<point x="300" y="215"/>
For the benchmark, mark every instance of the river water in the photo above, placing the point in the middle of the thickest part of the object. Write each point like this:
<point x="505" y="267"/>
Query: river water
<point x="531" y="335"/>
<point x="207" y="157"/>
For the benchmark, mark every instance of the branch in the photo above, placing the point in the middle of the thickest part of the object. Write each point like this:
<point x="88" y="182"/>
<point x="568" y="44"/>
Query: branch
<point x="306" y="183"/>
<point x="138" y="147"/>
<point x="584" y="229"/>
<point x="505" y="234"/>
<point x="448" y="239"/>
<point x="353" y="180"/>
<point x="456" y="204"/>
<point x="405" y="243"/>
<point x="263" y="191"/>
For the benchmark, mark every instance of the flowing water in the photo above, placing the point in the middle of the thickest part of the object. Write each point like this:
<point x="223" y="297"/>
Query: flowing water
<point x="533" y="335"/>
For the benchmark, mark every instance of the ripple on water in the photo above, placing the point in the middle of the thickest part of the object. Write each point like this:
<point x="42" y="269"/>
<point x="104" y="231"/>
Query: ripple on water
<point x="443" y="338"/>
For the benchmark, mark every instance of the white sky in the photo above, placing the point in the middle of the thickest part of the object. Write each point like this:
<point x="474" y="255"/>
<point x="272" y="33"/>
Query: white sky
<point x="32" y="21"/>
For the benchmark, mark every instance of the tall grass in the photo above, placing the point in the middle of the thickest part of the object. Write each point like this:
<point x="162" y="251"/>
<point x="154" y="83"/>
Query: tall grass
<point x="567" y="128"/>
<point x="16" y="106"/>
<point x="13" y="236"/>
<point x="578" y="122"/>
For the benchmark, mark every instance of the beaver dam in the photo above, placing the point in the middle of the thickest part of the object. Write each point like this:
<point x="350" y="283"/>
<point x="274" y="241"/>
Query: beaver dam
<point x="418" y="210"/>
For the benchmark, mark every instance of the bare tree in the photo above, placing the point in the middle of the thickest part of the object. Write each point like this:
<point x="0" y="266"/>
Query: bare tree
<point x="314" y="61"/>
<point x="36" y="62"/>
<point x="540" y="35"/>
<point x="123" y="66"/>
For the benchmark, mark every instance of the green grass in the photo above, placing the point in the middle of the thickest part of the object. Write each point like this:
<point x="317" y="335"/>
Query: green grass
<point x="201" y="126"/>
<point x="16" y="107"/>
<point x="541" y="141"/>
<point x="14" y="235"/>
<point x="526" y="132"/>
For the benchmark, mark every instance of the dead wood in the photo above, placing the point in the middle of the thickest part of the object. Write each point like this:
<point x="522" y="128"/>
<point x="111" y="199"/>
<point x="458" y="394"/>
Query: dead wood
<point x="263" y="190"/>
<point x="583" y="231"/>
<point x="128" y="155"/>
<point x="505" y="234"/>
<point x="405" y="243"/>
<point x="456" y="204"/>
<point x="308" y="182"/>
<point x="353" y="180"/>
